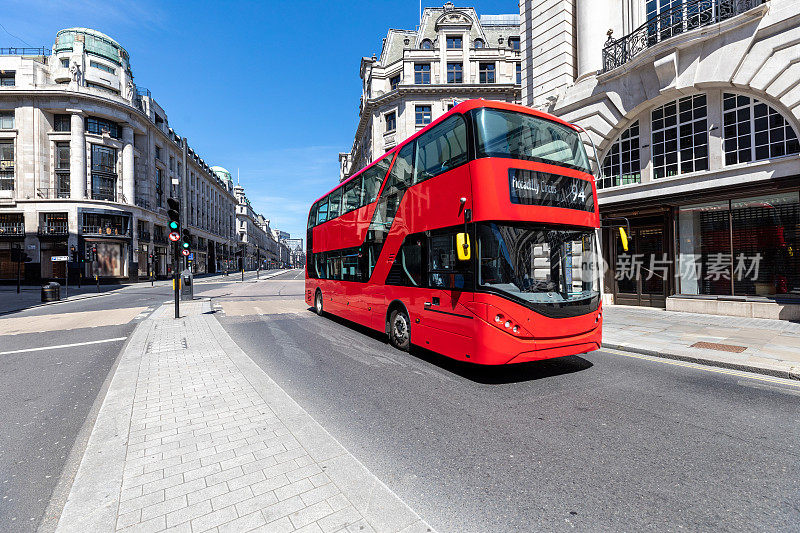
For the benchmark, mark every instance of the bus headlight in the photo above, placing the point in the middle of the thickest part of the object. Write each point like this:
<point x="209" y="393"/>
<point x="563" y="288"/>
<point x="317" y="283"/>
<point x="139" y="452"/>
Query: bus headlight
<point x="516" y="329"/>
<point x="498" y="318"/>
<point x="508" y="323"/>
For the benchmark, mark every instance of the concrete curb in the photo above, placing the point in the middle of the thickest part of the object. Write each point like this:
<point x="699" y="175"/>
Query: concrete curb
<point x="93" y="500"/>
<point x="789" y="373"/>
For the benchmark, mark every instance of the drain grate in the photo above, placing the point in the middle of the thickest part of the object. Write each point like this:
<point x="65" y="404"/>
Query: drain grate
<point x="719" y="347"/>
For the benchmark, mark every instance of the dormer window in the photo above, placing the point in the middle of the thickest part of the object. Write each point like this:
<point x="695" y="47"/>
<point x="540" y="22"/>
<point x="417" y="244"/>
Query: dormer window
<point x="454" y="42"/>
<point x="394" y="81"/>
<point x="479" y="43"/>
<point x="513" y="43"/>
<point x="426" y="44"/>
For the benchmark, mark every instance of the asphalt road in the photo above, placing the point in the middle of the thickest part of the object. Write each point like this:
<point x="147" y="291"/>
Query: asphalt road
<point x="48" y="394"/>
<point x="599" y="442"/>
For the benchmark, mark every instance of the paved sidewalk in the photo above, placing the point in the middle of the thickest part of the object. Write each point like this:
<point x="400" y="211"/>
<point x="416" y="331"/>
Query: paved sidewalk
<point x="194" y="436"/>
<point x="770" y="346"/>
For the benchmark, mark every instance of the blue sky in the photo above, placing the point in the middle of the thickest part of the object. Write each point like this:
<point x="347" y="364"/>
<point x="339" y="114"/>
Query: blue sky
<point x="269" y="88"/>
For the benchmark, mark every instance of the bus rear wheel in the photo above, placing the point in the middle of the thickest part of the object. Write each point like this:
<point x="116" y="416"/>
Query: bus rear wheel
<point x="318" y="306"/>
<point x="400" y="329"/>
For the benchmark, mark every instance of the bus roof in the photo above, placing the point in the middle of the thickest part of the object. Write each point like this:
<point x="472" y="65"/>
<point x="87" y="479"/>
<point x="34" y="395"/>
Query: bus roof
<point x="463" y="107"/>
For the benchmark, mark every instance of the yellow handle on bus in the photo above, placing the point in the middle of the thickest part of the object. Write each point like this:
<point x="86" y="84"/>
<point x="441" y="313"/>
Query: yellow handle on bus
<point x="624" y="238"/>
<point x="462" y="247"/>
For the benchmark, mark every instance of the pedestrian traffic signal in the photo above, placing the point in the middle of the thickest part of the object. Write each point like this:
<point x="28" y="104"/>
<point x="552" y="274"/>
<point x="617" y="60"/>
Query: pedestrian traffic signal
<point x="174" y="213"/>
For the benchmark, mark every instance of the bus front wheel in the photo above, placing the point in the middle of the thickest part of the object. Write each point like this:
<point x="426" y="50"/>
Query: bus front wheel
<point x="318" y="303"/>
<point x="400" y="329"/>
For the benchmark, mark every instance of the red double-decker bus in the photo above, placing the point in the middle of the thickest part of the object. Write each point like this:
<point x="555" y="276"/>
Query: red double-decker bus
<point x="475" y="238"/>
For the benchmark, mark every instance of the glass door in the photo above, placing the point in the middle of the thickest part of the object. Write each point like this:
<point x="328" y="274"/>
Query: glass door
<point x="642" y="272"/>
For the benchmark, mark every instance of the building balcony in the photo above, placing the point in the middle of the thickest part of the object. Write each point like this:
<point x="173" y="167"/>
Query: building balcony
<point x="683" y="18"/>
<point x="12" y="229"/>
<point x="49" y="193"/>
<point x="25" y="51"/>
<point x="105" y="231"/>
<point x="53" y="230"/>
<point x="159" y="238"/>
<point x="143" y="236"/>
<point x="143" y="202"/>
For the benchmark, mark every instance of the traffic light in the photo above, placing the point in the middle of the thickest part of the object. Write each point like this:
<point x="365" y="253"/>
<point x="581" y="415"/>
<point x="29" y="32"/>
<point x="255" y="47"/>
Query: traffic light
<point x="186" y="240"/>
<point x="19" y="256"/>
<point x="174" y="213"/>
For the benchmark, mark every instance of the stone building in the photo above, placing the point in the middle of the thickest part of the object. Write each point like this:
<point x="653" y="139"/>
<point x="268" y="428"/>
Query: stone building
<point x="694" y="107"/>
<point x="454" y="55"/>
<point x="87" y="161"/>
<point x="256" y="242"/>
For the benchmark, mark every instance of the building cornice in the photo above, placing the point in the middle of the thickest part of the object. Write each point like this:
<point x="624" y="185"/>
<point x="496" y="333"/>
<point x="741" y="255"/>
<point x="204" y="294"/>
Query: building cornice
<point x="431" y="89"/>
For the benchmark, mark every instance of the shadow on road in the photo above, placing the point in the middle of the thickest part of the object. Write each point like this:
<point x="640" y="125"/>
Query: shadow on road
<point x="484" y="374"/>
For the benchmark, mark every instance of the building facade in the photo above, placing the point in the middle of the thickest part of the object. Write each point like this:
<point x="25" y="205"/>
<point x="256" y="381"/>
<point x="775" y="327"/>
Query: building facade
<point x="694" y="108"/>
<point x="87" y="161"/>
<point x="454" y="55"/>
<point x="256" y="242"/>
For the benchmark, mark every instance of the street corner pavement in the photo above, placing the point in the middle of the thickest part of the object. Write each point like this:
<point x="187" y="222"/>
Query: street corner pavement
<point x="193" y="435"/>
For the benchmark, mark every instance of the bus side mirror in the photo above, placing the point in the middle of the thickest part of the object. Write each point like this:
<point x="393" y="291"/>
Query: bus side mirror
<point x="462" y="247"/>
<point x="624" y="238"/>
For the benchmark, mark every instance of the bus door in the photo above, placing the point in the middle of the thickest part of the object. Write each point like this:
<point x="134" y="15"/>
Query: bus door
<point x="450" y="289"/>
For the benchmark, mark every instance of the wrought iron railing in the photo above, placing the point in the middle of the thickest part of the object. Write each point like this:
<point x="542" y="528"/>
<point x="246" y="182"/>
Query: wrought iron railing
<point x="143" y="236"/>
<point x="47" y="193"/>
<point x="54" y="229"/>
<point x="108" y="194"/>
<point x="143" y="202"/>
<point x="105" y="230"/>
<point x="25" y="51"/>
<point x="688" y="16"/>
<point x="159" y="238"/>
<point x="12" y="228"/>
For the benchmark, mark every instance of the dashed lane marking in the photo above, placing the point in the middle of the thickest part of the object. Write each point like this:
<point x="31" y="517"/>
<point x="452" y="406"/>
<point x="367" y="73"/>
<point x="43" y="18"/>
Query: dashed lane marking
<point x="728" y="371"/>
<point x="59" y="346"/>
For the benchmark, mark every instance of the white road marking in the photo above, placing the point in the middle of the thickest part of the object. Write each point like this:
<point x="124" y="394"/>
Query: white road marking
<point x="64" y="346"/>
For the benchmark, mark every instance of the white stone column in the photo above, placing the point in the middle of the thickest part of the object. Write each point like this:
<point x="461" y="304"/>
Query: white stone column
<point x="128" y="184"/>
<point x="77" y="156"/>
<point x="592" y="20"/>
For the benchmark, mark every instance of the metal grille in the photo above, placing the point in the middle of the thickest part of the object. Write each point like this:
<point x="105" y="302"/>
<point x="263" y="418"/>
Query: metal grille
<point x="685" y="16"/>
<point x="719" y="347"/>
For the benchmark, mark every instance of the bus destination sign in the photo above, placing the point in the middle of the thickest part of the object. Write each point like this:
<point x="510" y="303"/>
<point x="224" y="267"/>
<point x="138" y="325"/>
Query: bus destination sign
<point x="531" y="187"/>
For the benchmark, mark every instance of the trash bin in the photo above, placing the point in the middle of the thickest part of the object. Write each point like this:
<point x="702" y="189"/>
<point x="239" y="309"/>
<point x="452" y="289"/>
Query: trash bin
<point x="51" y="292"/>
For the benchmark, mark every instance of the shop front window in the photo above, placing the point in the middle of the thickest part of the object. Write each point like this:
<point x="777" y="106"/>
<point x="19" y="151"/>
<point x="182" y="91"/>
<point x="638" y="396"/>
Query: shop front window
<point x="742" y="247"/>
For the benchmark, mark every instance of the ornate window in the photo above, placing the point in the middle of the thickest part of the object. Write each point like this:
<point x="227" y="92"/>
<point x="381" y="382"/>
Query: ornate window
<point x="680" y="137"/>
<point x="622" y="164"/>
<point x="478" y="43"/>
<point x="754" y="131"/>
<point x="426" y="44"/>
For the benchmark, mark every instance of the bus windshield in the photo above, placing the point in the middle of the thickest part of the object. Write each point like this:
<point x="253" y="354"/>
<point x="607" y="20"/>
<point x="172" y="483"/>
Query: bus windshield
<point x="520" y="136"/>
<point x="538" y="264"/>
